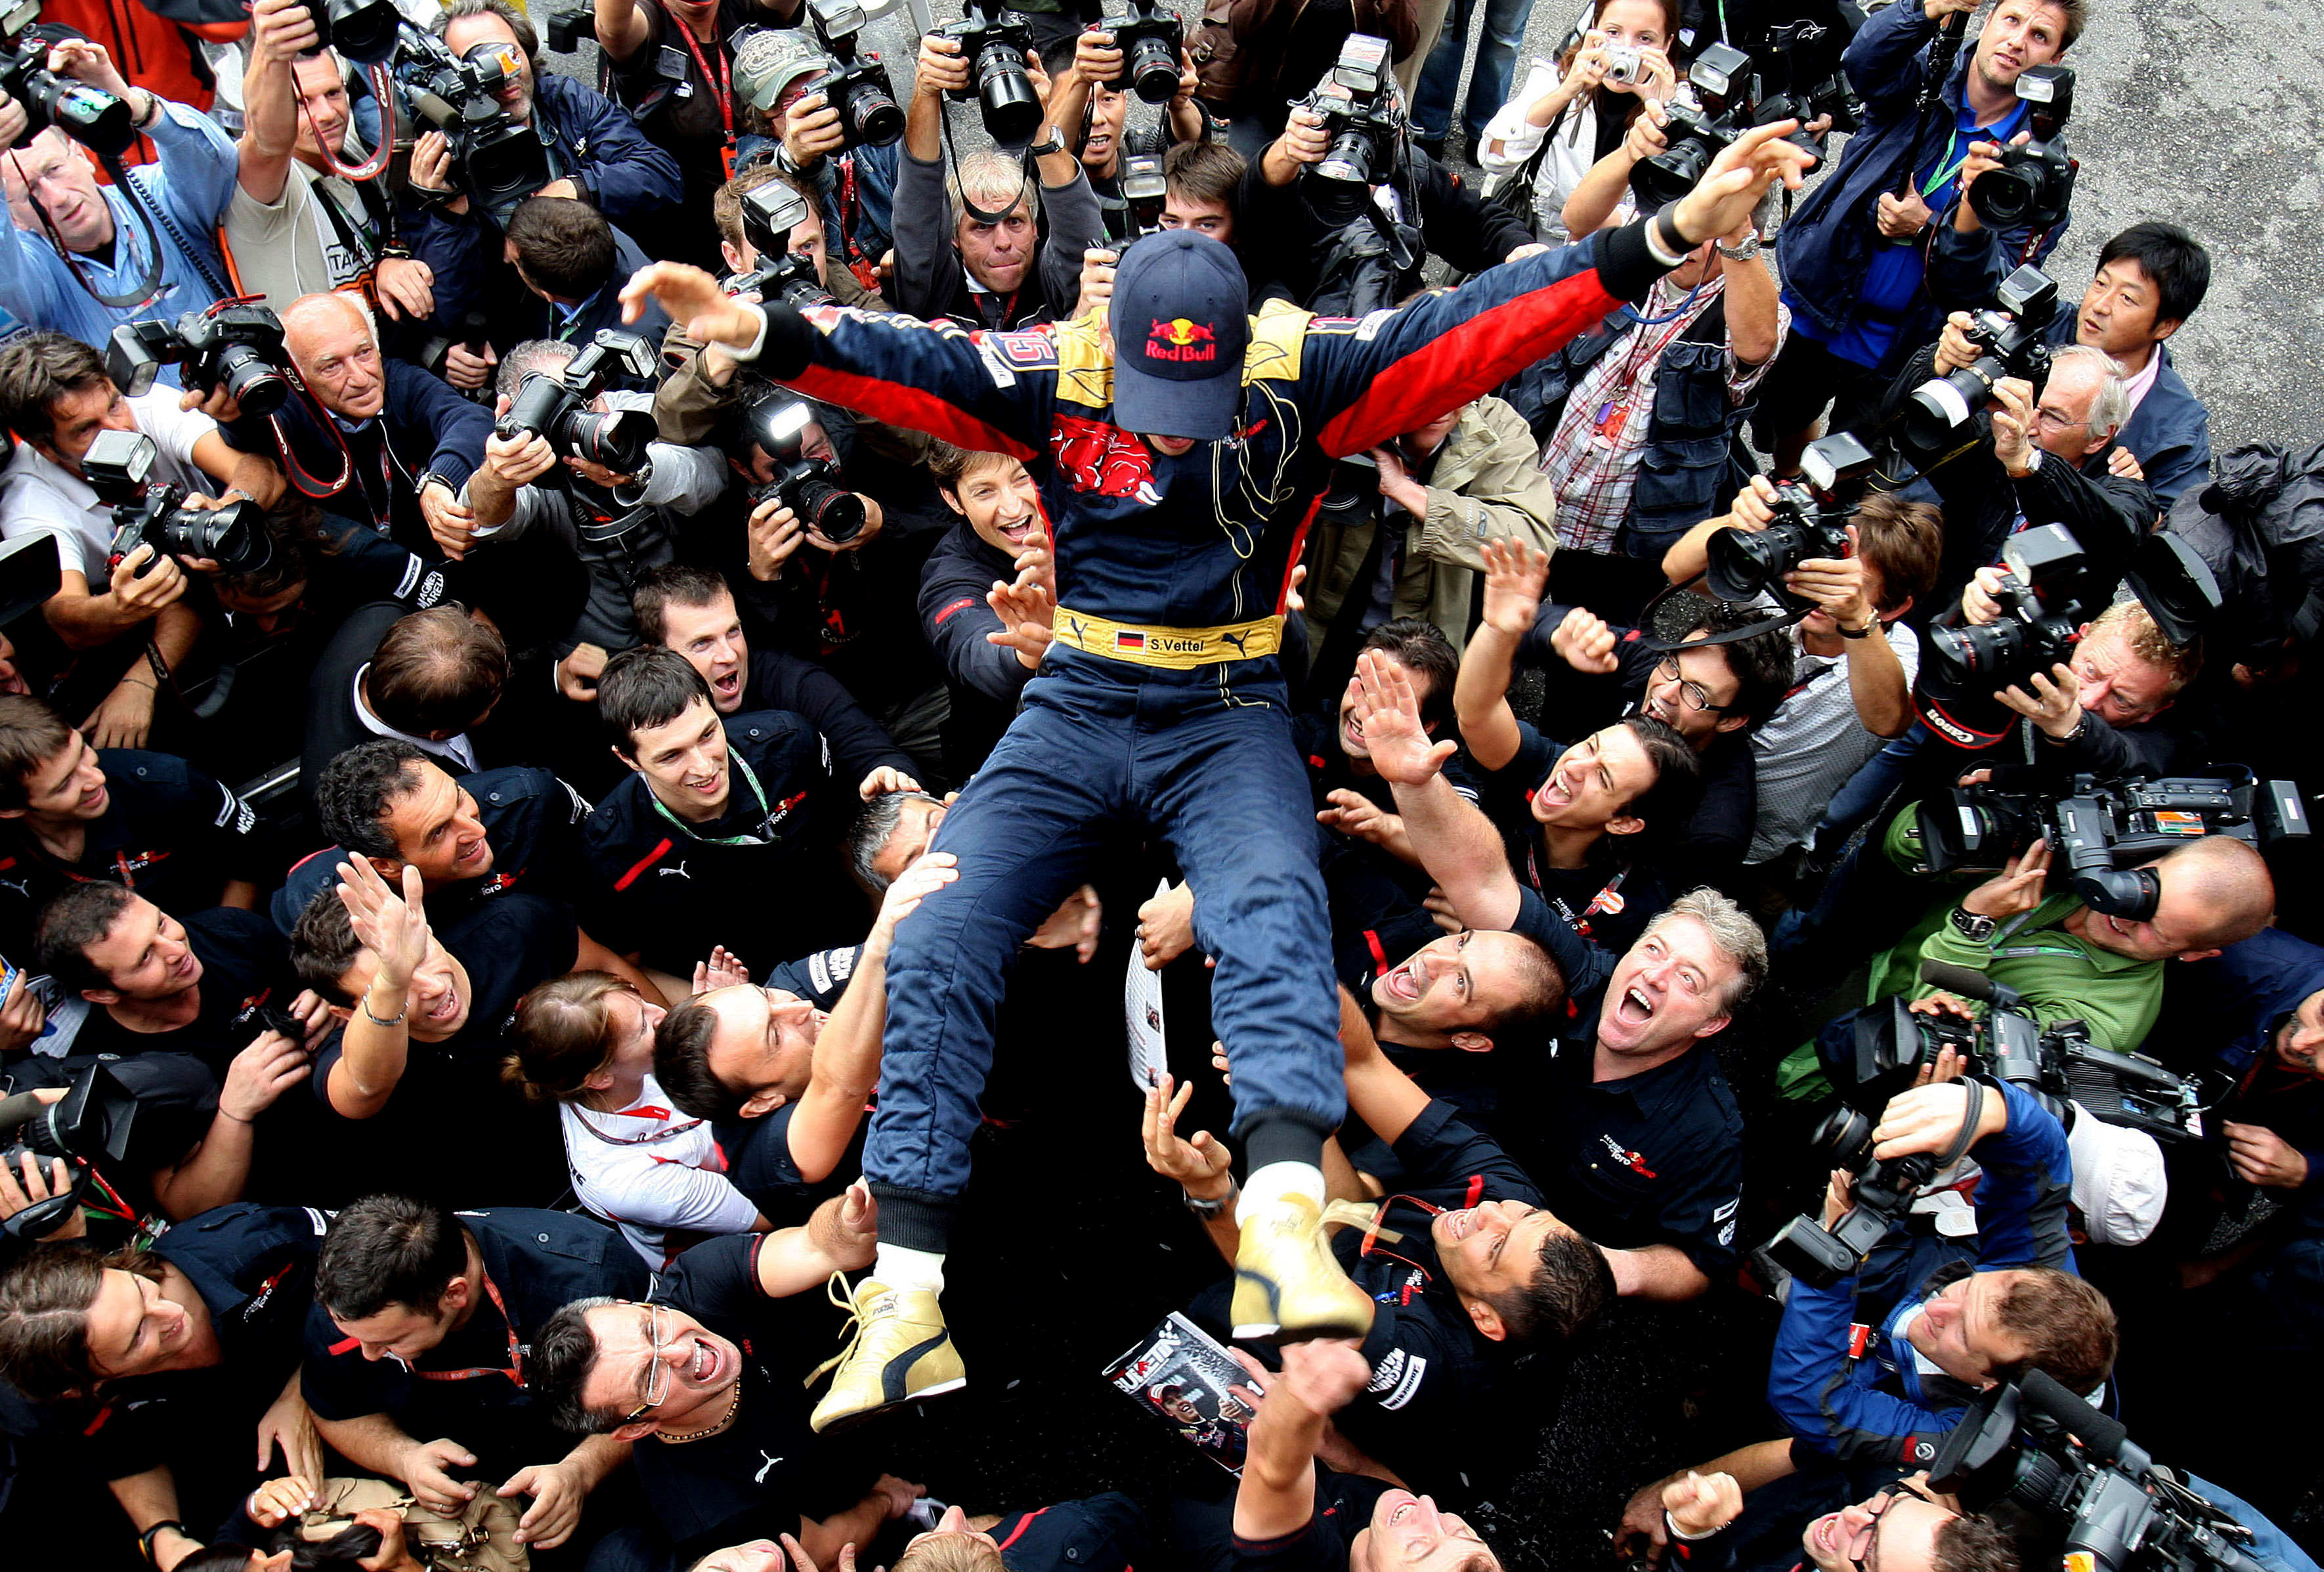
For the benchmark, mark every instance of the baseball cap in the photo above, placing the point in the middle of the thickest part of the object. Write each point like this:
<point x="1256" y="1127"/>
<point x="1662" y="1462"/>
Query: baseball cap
<point x="1180" y="323"/>
<point x="769" y="60"/>
<point x="2119" y="1183"/>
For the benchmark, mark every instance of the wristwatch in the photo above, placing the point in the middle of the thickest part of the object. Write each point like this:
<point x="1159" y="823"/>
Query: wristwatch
<point x="1743" y="252"/>
<point x="1056" y="143"/>
<point x="1972" y="926"/>
<point x="1863" y="633"/>
<point x="1206" y="1210"/>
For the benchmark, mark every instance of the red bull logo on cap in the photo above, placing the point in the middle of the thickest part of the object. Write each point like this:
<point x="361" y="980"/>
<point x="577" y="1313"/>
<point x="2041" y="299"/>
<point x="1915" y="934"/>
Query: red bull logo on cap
<point x="1182" y="339"/>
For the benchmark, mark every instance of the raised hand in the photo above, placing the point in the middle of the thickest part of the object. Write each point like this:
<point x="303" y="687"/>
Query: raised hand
<point x="1516" y="573"/>
<point x="393" y="927"/>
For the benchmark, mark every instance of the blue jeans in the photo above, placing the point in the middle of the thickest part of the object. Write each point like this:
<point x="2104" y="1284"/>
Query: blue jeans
<point x="1095" y="754"/>
<point x="1489" y="84"/>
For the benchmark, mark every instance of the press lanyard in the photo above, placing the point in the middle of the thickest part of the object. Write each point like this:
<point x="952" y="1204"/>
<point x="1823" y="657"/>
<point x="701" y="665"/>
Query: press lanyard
<point x="1607" y="899"/>
<point x="721" y="86"/>
<point x="1947" y="171"/>
<point x="742" y="764"/>
<point x="515" y="1372"/>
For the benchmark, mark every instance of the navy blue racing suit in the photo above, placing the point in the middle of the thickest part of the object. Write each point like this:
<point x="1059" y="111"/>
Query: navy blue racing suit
<point x="1106" y="744"/>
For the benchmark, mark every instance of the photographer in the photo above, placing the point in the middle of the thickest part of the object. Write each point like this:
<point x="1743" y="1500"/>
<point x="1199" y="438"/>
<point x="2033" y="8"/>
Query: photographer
<point x="1949" y="1316"/>
<point x="415" y="1346"/>
<point x="1581" y="115"/>
<point x="164" y="1363"/>
<point x="2102" y="713"/>
<point x="1849" y="690"/>
<point x="851" y="189"/>
<point x="1092" y="114"/>
<point x="594" y="153"/>
<point x="296" y="223"/>
<point x="75" y="239"/>
<point x="1853" y="254"/>
<point x="985" y="272"/>
<point x="2150" y="278"/>
<point x="618" y="526"/>
<point x="573" y="261"/>
<point x="2048" y="458"/>
<point x="1903" y="1528"/>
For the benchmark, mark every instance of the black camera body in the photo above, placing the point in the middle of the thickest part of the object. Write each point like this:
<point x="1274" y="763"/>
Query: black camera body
<point x="1800" y="62"/>
<point x="769" y="213"/>
<point x="89" y="1124"/>
<point x="91" y="116"/>
<point x="2030" y="1444"/>
<point x="1358" y="107"/>
<point x="1721" y="77"/>
<point x="2036" y="180"/>
<point x="1883" y="1193"/>
<point x="557" y="408"/>
<point x="857" y="85"/>
<point x="994" y="41"/>
<point x="1149" y="39"/>
<point x="235" y="346"/>
<point x="568" y="26"/>
<point x="808" y="486"/>
<point x="151" y="512"/>
<point x="2012" y="341"/>
<point x="1811" y="521"/>
<point x="496" y="161"/>
<point x="363" y="31"/>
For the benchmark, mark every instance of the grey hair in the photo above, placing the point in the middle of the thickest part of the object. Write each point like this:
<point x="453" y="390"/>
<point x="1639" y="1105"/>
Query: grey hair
<point x="981" y="177"/>
<point x="2111" y="406"/>
<point x="550" y="356"/>
<point x="1733" y="932"/>
<point x="308" y="305"/>
<point x="869" y="836"/>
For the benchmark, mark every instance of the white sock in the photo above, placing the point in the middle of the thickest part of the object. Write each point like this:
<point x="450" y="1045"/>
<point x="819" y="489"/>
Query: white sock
<point x="1276" y="1182"/>
<point x="897" y="1267"/>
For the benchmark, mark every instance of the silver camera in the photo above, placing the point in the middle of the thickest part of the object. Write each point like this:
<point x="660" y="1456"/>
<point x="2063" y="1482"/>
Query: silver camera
<point x="1622" y="63"/>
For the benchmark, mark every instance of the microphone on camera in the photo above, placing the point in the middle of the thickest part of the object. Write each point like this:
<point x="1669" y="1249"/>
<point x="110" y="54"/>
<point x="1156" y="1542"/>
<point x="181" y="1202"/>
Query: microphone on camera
<point x="1970" y="985"/>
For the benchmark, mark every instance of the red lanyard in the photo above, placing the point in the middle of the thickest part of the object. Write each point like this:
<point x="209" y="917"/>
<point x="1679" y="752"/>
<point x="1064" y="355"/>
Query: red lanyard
<point x="515" y="1371"/>
<point x="720" y="83"/>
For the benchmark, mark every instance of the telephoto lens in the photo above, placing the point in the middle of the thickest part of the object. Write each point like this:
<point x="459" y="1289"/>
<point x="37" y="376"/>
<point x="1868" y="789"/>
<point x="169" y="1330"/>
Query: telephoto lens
<point x="363" y="31"/>
<point x="1012" y="110"/>
<point x="228" y="536"/>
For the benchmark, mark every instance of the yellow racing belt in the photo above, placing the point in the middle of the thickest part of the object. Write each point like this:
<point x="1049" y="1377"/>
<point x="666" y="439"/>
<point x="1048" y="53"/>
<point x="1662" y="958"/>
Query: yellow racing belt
<point x="1172" y="649"/>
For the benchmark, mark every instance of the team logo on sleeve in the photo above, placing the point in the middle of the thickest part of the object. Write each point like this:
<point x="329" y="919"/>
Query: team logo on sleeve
<point x="1101" y="459"/>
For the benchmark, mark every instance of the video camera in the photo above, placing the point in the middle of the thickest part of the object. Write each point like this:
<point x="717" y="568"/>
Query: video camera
<point x="89" y="1124"/>
<point x="1149" y="39"/>
<point x="769" y="213"/>
<point x="1811" y="521"/>
<point x="2100" y="831"/>
<point x="91" y="116"/>
<point x="810" y="487"/>
<point x="2014" y="342"/>
<point x="2049" y="587"/>
<point x="857" y="85"/>
<point x="363" y="31"/>
<point x="116" y="467"/>
<point x="2031" y="1444"/>
<point x="1357" y="107"/>
<point x="237" y="345"/>
<point x="556" y="407"/>
<point x="498" y="162"/>
<point x="2035" y="181"/>
<point x="1880" y="1053"/>
<point x="994" y="40"/>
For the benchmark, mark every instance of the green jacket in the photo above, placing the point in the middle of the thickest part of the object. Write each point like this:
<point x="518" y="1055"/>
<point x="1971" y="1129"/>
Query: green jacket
<point x="1486" y="486"/>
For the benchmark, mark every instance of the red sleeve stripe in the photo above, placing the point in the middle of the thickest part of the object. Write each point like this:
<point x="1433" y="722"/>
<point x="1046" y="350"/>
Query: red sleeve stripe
<point x="1474" y="359"/>
<point x="647" y="861"/>
<point x="1298" y="546"/>
<point x="1022" y="1524"/>
<point x="903" y="405"/>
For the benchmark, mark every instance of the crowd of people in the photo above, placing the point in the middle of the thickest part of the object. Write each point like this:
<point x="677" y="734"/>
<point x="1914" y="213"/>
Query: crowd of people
<point x="577" y="659"/>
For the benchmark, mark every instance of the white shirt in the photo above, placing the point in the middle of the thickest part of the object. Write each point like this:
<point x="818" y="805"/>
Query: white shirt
<point x="43" y="497"/>
<point x="291" y="247"/>
<point x="457" y="749"/>
<point x="650" y="1169"/>
<point x="1807" y="749"/>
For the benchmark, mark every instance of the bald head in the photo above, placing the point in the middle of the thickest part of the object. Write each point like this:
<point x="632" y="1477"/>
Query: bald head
<point x="2229" y="883"/>
<point x="335" y="346"/>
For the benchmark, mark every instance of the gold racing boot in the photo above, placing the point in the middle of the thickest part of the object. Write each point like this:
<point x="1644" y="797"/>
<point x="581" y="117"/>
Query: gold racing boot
<point x="901" y="1350"/>
<point x="1288" y="1285"/>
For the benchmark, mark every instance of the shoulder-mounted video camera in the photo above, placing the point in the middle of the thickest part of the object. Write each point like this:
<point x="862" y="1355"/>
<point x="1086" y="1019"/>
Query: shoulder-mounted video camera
<point x="1812" y="514"/>
<point x="776" y="423"/>
<point x="2035" y="181"/>
<point x="555" y="407"/>
<point x="118" y="465"/>
<point x="994" y="40"/>
<point x="495" y="160"/>
<point x="91" y="116"/>
<point x="1149" y="38"/>
<point x="1357" y="103"/>
<point x="237" y="346"/>
<point x="88" y="1125"/>
<point x="857" y="84"/>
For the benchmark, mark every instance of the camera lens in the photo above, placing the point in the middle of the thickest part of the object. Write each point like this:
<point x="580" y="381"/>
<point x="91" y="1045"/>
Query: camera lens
<point x="362" y="30"/>
<point x="617" y="440"/>
<point x="1942" y="408"/>
<point x="1741" y="565"/>
<point x="1972" y="660"/>
<point x="257" y="386"/>
<point x="1843" y="1139"/>
<point x="1355" y="487"/>
<point x="873" y="119"/>
<point x="1670" y="174"/>
<point x="1012" y="111"/>
<point x="228" y="536"/>
<point x="837" y="515"/>
<point x="90" y="115"/>
<point x="1153" y="70"/>
<point x="2003" y="198"/>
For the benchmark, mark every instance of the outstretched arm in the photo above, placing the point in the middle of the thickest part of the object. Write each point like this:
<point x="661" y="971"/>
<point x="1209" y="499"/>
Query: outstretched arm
<point x="839" y="1237"/>
<point x="1277" y="1493"/>
<point x="1515" y="577"/>
<point x="1455" y="842"/>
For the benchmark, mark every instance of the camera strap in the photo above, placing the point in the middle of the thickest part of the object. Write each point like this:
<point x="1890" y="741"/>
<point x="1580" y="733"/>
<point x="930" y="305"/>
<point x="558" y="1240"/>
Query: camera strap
<point x="1971" y="1110"/>
<point x="149" y="287"/>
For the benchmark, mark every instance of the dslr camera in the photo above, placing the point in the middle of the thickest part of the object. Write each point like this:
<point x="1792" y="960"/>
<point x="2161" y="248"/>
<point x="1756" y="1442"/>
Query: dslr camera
<point x="769" y="214"/>
<point x="365" y="31"/>
<point x="91" y="116"/>
<point x="1699" y="132"/>
<point x="557" y="408"/>
<point x="1149" y="38"/>
<point x="1811" y="521"/>
<point x="857" y="84"/>
<point x="2011" y="342"/>
<point x="810" y="487"/>
<point x="1883" y="1192"/>
<point x="89" y="1124"/>
<point x="2030" y="1445"/>
<point x="2035" y="181"/>
<point x="1800" y="71"/>
<point x="498" y="162"/>
<point x="994" y="41"/>
<point x="151" y="512"/>
<point x="2049" y="587"/>
<point x="1357" y="107"/>
<point x="237" y="346"/>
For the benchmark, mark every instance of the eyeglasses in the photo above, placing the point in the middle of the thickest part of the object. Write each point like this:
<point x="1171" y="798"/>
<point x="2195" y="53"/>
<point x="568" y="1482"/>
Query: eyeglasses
<point x="2055" y="421"/>
<point x="1858" y="1549"/>
<point x="657" y="1372"/>
<point x="1693" y="695"/>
